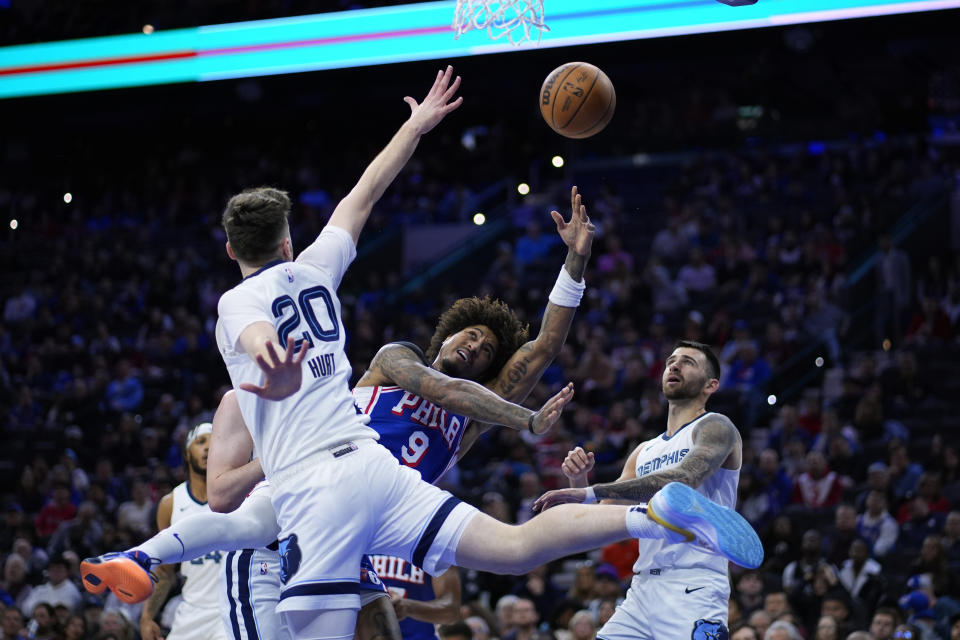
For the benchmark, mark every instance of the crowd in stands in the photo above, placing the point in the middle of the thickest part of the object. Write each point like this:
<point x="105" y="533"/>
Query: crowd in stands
<point x="107" y="358"/>
<point x="837" y="326"/>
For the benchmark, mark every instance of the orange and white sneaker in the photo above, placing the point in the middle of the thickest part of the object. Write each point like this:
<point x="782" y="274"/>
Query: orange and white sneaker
<point x="126" y="573"/>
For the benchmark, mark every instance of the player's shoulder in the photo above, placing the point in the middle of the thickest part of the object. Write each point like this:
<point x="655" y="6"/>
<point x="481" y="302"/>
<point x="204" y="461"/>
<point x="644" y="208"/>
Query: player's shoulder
<point x="402" y="348"/>
<point x="716" y="425"/>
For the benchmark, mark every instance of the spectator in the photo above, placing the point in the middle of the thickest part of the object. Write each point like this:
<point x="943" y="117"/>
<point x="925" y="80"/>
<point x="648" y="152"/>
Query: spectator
<point x="827" y="629"/>
<point x="12" y="625"/>
<point x="125" y="392"/>
<point x="760" y="620"/>
<point x="860" y="574"/>
<point x="884" y="622"/>
<point x="748" y="592"/>
<point x="841" y="534"/>
<point x="951" y="540"/>
<point x="825" y="322"/>
<point x="803" y="570"/>
<point x="458" y="631"/>
<point x="582" y="626"/>
<point x="115" y="623"/>
<point x="774" y="491"/>
<point x="743" y="631"/>
<point x="135" y="513"/>
<point x="893" y="290"/>
<point x="697" y="276"/>
<point x="45" y="621"/>
<point x="928" y="488"/>
<point x="82" y="534"/>
<point x="776" y="604"/>
<point x="57" y="590"/>
<point x="15" y="588"/>
<point x="58" y="510"/>
<point x="504" y="612"/>
<point x="75" y="629"/>
<point x="818" y="487"/>
<point x="920" y="526"/>
<point x="786" y="428"/>
<point x="525" y="619"/>
<point x="782" y="630"/>
<point x="904" y="473"/>
<point x="479" y="627"/>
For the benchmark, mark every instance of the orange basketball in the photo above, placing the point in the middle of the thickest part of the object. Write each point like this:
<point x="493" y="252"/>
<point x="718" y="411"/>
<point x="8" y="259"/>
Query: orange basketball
<point x="577" y="100"/>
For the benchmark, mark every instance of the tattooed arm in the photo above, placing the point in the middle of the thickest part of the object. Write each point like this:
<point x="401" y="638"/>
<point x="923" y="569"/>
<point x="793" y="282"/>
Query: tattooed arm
<point x="522" y="371"/>
<point x="402" y="367"/>
<point x="714" y="439"/>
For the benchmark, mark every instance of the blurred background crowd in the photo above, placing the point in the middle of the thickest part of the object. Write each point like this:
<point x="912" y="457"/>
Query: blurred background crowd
<point x="820" y="263"/>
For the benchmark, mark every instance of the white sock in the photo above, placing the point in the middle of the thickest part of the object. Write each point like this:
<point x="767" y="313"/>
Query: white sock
<point x="641" y="526"/>
<point x="252" y="525"/>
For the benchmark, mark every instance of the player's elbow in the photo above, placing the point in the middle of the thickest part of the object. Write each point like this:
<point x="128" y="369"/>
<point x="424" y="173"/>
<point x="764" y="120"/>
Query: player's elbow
<point x="220" y="500"/>
<point x="450" y="613"/>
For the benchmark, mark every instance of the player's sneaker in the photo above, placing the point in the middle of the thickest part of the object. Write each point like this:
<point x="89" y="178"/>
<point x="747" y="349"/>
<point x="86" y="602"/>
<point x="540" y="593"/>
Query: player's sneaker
<point x="707" y="524"/>
<point x="126" y="573"/>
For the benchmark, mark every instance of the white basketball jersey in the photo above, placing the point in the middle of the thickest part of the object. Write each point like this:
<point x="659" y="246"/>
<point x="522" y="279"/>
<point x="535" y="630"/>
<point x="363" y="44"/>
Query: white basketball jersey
<point x="202" y="574"/>
<point x="662" y="453"/>
<point x="299" y="299"/>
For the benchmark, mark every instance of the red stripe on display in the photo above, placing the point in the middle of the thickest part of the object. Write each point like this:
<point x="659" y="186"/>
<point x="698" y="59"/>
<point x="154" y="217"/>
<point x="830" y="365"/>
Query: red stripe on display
<point x="357" y="37"/>
<point x="100" y="62"/>
<point x="177" y="55"/>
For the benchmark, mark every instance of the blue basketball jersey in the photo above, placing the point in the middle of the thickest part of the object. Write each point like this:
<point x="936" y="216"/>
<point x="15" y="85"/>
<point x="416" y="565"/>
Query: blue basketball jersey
<point x="407" y="581"/>
<point x="417" y="432"/>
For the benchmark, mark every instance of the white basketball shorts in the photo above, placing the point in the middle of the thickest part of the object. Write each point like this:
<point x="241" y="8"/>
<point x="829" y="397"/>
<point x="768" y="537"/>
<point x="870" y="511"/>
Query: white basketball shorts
<point x="665" y="604"/>
<point x="356" y="498"/>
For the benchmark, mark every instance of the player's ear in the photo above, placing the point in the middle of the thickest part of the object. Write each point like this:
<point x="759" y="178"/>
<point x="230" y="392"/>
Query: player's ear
<point x="230" y="252"/>
<point x="286" y="248"/>
<point x="712" y="385"/>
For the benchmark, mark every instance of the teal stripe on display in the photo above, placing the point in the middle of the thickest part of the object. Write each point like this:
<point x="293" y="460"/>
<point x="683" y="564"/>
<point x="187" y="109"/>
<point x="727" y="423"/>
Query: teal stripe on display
<point x="383" y="35"/>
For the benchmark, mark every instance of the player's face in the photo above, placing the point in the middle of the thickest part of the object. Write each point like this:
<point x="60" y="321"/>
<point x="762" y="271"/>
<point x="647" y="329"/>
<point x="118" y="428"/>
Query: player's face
<point x="469" y="352"/>
<point x="197" y="453"/>
<point x="685" y="374"/>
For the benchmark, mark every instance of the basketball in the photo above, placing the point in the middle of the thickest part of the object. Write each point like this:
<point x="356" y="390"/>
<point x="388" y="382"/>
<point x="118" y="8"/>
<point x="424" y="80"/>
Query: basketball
<point x="577" y="100"/>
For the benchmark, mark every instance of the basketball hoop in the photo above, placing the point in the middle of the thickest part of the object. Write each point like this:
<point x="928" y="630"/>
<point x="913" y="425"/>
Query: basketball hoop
<point x="515" y="19"/>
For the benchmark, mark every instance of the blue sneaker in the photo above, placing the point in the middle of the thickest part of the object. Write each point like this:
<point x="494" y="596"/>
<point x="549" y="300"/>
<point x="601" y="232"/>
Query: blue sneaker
<point x="125" y="573"/>
<point x="714" y="528"/>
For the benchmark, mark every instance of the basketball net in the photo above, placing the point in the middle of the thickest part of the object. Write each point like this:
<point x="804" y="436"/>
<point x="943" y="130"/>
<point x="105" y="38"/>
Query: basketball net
<point x="515" y="19"/>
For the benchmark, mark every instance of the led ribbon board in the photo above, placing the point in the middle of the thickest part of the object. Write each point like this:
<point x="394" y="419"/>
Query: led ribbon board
<point x="383" y="35"/>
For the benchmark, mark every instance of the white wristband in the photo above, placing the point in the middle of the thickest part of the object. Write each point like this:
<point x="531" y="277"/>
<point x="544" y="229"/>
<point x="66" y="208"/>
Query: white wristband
<point x="591" y="496"/>
<point x="567" y="291"/>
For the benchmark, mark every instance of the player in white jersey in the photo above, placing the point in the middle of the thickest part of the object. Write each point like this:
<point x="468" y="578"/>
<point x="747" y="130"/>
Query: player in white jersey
<point x="677" y="592"/>
<point x="198" y="614"/>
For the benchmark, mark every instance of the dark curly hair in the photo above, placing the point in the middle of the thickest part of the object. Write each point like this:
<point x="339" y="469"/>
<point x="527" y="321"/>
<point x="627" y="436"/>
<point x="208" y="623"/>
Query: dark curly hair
<point x="467" y="312"/>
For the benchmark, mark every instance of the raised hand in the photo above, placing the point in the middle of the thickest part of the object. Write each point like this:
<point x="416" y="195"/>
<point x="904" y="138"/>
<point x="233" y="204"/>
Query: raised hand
<point x="559" y="496"/>
<point x="551" y="411"/>
<point x="282" y="376"/>
<point x="428" y="114"/>
<point x="577" y="465"/>
<point x="578" y="233"/>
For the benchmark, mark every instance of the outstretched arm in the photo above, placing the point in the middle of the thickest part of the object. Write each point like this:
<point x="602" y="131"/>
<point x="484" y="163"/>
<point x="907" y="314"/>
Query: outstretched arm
<point x="231" y="474"/>
<point x="713" y="441"/>
<point x="352" y="212"/>
<point x="522" y="371"/>
<point x="403" y="367"/>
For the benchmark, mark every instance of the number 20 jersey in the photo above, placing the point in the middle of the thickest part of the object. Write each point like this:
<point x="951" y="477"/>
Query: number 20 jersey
<point x="417" y="432"/>
<point x="299" y="299"/>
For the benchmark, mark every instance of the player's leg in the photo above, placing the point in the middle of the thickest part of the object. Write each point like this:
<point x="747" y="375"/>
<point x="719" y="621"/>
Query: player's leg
<point x="249" y="592"/>
<point x="676" y="513"/>
<point x="329" y="624"/>
<point x="490" y="545"/>
<point x="377" y="619"/>
<point x="127" y="573"/>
